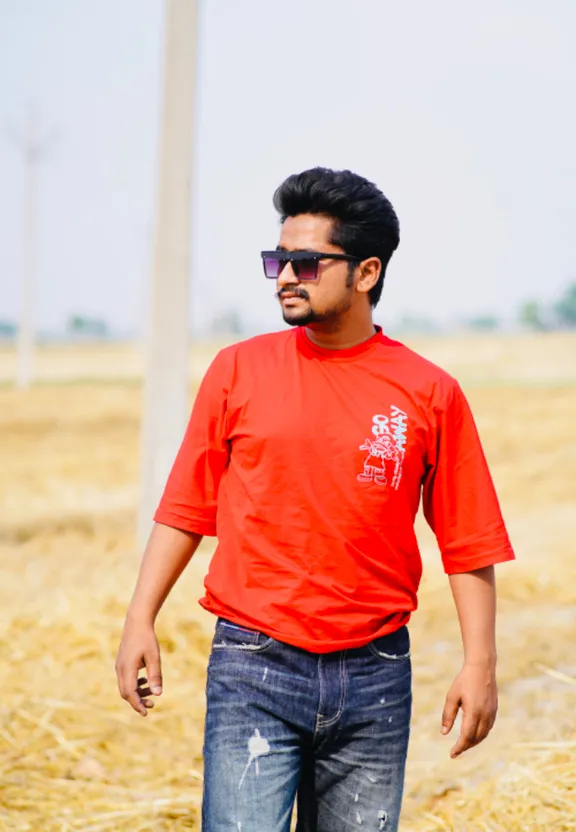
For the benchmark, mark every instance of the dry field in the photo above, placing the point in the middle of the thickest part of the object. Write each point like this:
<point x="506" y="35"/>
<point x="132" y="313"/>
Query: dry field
<point x="74" y="757"/>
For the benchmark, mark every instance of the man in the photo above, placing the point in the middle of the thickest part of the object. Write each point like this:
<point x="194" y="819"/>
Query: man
<point x="307" y="454"/>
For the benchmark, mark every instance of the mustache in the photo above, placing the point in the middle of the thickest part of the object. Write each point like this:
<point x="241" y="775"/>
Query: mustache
<point x="299" y="293"/>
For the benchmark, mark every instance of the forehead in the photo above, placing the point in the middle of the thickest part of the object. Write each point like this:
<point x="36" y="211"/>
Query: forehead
<point x="308" y="232"/>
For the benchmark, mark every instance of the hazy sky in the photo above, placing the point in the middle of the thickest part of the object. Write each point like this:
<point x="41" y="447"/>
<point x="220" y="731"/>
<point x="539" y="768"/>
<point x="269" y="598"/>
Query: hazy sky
<point x="463" y="113"/>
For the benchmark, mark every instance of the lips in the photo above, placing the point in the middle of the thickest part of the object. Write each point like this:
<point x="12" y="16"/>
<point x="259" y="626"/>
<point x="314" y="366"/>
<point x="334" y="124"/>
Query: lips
<point x="285" y="296"/>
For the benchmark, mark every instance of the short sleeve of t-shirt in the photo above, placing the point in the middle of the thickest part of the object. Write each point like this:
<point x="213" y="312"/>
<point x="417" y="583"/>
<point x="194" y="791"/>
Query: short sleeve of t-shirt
<point x="189" y="501"/>
<point x="459" y="498"/>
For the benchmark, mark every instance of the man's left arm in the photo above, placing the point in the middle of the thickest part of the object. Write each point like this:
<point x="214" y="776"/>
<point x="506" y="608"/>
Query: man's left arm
<point x="462" y="508"/>
<point x="474" y="689"/>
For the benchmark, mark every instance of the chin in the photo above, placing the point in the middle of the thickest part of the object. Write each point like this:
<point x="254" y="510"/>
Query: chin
<point x="298" y="318"/>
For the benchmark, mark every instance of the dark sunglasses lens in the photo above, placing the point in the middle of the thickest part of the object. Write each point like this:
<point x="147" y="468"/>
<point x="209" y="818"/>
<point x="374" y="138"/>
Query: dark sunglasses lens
<point x="305" y="269"/>
<point x="273" y="266"/>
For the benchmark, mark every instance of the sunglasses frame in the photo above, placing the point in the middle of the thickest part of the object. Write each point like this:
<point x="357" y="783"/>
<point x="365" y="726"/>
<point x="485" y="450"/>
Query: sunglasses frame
<point x="300" y="256"/>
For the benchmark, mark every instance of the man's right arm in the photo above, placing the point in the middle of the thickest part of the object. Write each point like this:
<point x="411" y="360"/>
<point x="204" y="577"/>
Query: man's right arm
<point x="167" y="554"/>
<point x="187" y="512"/>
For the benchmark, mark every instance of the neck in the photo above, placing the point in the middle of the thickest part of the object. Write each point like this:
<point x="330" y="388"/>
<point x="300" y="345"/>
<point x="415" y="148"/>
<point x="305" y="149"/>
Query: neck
<point x="342" y="334"/>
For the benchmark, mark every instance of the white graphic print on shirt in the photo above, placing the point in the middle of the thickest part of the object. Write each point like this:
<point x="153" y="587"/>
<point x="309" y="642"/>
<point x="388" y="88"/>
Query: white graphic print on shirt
<point x="388" y="446"/>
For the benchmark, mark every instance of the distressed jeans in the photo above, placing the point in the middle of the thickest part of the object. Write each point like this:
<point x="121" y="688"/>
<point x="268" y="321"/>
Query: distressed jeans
<point x="326" y="731"/>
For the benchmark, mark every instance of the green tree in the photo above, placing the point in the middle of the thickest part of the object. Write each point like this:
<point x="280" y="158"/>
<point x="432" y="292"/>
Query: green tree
<point x="8" y="329"/>
<point x="84" y="326"/>
<point x="531" y="316"/>
<point x="227" y="322"/>
<point x="484" y="323"/>
<point x="565" y="309"/>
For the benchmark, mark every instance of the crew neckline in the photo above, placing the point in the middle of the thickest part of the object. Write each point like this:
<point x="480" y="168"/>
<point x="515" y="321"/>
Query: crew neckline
<point x="311" y="349"/>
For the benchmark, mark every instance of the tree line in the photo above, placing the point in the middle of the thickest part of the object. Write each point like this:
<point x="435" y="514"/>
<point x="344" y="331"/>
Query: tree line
<point x="560" y="315"/>
<point x="533" y="315"/>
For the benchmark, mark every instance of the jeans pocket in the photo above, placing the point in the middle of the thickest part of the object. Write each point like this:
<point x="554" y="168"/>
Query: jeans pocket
<point x="230" y="636"/>
<point x="392" y="647"/>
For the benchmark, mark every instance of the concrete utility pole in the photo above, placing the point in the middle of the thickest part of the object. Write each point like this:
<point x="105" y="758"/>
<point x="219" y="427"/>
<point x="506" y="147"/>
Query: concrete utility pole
<point x="165" y="404"/>
<point x="32" y="149"/>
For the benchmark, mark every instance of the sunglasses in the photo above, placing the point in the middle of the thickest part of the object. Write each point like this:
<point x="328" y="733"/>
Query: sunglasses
<point x="304" y="263"/>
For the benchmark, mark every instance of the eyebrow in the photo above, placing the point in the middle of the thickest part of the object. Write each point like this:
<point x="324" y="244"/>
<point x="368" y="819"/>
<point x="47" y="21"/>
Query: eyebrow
<point x="283" y="248"/>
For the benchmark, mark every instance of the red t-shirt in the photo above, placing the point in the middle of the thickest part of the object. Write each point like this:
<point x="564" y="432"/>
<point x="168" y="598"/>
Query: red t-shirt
<point x="309" y="464"/>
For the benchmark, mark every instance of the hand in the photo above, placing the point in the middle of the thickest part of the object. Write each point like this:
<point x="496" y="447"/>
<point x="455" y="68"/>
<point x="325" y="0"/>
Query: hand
<point x="139" y="649"/>
<point x="474" y="690"/>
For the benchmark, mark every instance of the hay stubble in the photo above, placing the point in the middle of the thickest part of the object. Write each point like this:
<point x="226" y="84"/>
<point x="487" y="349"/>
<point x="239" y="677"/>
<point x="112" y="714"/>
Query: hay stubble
<point x="74" y="757"/>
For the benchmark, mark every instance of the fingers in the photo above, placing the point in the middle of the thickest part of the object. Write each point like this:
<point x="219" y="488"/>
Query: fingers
<point x="476" y="725"/>
<point x="139" y="649"/>
<point x="468" y="732"/>
<point x="144" y="691"/>
<point x="450" y="712"/>
<point x="475" y="729"/>
<point x="475" y="692"/>
<point x="143" y="687"/>
<point x="154" y="673"/>
<point x="128" y="684"/>
<point x="128" y="687"/>
<point x="485" y="725"/>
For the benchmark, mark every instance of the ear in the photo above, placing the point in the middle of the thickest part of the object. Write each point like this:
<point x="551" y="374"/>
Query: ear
<point x="368" y="274"/>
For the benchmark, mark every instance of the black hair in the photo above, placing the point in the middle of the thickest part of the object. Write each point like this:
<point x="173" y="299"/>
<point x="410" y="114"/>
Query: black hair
<point x="365" y="223"/>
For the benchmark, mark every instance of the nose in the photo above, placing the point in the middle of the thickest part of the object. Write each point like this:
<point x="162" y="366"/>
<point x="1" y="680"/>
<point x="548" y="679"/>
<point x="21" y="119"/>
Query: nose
<point x="287" y="277"/>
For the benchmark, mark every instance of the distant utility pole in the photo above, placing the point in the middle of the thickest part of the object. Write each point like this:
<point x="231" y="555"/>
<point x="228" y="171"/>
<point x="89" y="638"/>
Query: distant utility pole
<point x="165" y="403"/>
<point x="33" y="149"/>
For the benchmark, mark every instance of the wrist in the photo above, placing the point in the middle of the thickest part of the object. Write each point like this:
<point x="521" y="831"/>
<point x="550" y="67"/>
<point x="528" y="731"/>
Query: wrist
<point x="487" y="661"/>
<point x="140" y="617"/>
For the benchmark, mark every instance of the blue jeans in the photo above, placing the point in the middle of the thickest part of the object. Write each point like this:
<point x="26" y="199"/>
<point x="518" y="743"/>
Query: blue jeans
<point x="282" y="724"/>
